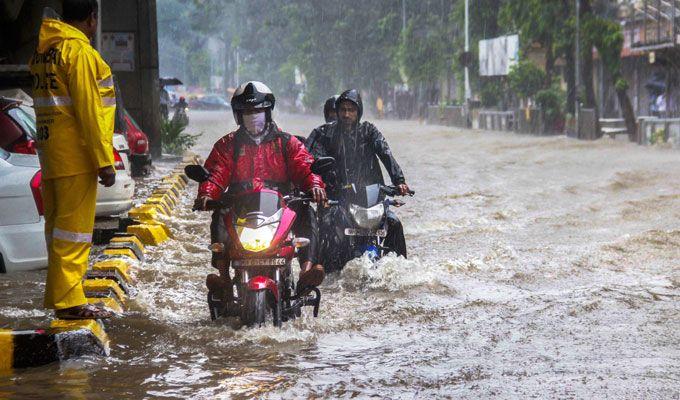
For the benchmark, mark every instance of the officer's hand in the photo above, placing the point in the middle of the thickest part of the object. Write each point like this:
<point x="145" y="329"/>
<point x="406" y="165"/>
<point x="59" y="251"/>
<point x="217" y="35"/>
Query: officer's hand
<point x="200" y="203"/>
<point x="319" y="195"/>
<point x="107" y="176"/>
<point x="403" y="189"/>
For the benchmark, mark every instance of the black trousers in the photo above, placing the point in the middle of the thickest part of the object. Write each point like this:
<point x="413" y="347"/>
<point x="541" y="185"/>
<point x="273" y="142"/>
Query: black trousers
<point x="305" y="225"/>
<point x="395" y="235"/>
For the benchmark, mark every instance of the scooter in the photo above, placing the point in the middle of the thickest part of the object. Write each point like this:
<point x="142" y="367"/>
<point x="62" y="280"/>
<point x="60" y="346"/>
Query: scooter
<point x="359" y="226"/>
<point x="261" y="250"/>
<point x="180" y="116"/>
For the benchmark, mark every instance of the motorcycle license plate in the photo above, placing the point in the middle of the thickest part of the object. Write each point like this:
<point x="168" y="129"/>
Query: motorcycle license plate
<point x="365" y="232"/>
<point x="254" y="262"/>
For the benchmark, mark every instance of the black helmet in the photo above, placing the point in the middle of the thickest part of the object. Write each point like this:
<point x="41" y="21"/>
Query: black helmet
<point x="353" y="96"/>
<point x="250" y="96"/>
<point x="329" y="107"/>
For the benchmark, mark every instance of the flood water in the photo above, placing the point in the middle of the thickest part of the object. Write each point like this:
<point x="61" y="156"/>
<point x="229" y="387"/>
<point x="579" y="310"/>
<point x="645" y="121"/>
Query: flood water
<point x="540" y="267"/>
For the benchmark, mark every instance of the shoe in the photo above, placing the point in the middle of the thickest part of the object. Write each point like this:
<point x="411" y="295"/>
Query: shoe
<point x="219" y="285"/>
<point x="311" y="275"/>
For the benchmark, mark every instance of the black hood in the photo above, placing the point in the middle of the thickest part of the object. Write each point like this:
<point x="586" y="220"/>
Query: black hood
<point x="329" y="107"/>
<point x="353" y="96"/>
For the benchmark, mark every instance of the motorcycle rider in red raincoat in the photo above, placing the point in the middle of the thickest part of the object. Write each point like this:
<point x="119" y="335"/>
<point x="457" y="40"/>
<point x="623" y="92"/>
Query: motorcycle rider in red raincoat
<point x="258" y="155"/>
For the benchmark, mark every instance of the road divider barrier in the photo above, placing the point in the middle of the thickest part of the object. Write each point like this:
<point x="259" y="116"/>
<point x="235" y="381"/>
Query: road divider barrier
<point x="109" y="283"/>
<point x="61" y="341"/>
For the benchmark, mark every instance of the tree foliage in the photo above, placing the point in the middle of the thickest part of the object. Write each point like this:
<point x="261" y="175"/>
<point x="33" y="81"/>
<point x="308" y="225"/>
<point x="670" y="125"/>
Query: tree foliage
<point x="526" y="79"/>
<point x="365" y="44"/>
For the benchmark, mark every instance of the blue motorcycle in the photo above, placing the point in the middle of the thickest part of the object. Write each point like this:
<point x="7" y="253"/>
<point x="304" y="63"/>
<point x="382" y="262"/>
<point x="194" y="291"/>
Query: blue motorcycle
<point x="357" y="226"/>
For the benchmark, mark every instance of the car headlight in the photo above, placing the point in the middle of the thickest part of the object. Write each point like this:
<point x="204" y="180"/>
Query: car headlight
<point x="257" y="239"/>
<point x="367" y="218"/>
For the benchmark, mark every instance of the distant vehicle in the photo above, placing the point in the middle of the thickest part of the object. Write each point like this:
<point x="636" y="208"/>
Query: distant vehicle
<point x="22" y="224"/>
<point x="138" y="143"/>
<point x="180" y="116"/>
<point x="17" y="135"/>
<point x="210" y="102"/>
<point x="17" y="127"/>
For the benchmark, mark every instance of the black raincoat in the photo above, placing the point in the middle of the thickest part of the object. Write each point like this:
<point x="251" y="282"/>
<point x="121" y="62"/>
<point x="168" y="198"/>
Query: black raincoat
<point x="356" y="153"/>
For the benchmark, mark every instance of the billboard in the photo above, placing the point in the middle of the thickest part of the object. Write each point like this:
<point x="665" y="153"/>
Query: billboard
<point x="497" y="55"/>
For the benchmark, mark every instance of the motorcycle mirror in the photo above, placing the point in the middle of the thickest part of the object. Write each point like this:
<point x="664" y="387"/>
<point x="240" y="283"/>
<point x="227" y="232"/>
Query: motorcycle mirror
<point x="323" y="165"/>
<point x="197" y="173"/>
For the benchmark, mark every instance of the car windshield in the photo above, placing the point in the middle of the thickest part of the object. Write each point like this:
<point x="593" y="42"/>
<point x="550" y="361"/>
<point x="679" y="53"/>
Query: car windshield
<point x="24" y="119"/>
<point x="266" y="203"/>
<point x="366" y="196"/>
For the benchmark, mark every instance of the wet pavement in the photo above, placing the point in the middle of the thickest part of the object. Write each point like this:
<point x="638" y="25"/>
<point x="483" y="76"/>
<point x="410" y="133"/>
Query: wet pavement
<point x="541" y="267"/>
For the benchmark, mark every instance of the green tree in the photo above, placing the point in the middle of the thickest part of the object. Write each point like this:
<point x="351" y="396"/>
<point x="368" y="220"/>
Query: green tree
<point x="526" y="79"/>
<point x="606" y="36"/>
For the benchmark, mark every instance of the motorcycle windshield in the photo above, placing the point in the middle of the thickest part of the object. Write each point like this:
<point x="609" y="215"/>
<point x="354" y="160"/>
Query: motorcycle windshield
<point x="264" y="204"/>
<point x="367" y="196"/>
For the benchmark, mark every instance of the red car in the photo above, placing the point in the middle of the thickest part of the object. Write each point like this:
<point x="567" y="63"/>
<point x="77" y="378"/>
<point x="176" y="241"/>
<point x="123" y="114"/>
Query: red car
<point x="17" y="127"/>
<point x="140" y="158"/>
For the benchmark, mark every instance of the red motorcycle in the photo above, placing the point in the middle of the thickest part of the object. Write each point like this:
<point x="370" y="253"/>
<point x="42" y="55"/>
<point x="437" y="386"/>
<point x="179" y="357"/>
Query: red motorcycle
<point x="261" y="248"/>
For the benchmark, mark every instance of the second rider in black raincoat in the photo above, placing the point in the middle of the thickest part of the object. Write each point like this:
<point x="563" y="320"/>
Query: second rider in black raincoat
<point x="357" y="147"/>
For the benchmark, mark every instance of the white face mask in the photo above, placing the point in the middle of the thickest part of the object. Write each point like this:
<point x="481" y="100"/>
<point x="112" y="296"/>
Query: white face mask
<point x="254" y="123"/>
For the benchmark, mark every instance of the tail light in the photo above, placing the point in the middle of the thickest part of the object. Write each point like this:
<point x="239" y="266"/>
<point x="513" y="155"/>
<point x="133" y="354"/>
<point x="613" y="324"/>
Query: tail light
<point x="141" y="146"/>
<point x="118" y="160"/>
<point x="37" y="193"/>
<point x="27" y="147"/>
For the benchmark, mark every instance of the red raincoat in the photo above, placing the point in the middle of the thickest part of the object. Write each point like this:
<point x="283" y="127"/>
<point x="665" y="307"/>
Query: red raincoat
<point x="279" y="160"/>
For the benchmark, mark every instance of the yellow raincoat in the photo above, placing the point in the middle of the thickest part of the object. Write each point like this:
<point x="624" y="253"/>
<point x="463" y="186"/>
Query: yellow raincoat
<point x="74" y="99"/>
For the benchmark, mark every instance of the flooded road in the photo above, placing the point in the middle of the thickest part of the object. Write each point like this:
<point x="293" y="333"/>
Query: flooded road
<point x="541" y="267"/>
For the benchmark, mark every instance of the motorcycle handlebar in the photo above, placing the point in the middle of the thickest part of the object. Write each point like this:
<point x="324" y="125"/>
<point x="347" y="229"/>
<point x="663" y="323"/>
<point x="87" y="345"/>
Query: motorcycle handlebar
<point x="394" y="191"/>
<point x="210" y="205"/>
<point x="217" y="204"/>
<point x="309" y="198"/>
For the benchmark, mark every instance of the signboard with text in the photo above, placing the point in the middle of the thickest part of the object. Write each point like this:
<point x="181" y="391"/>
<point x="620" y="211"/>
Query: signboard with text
<point x="118" y="50"/>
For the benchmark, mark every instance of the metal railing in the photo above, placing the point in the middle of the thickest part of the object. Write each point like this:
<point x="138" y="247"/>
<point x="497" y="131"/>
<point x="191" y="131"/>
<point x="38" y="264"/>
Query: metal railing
<point x="655" y="24"/>
<point x="659" y="130"/>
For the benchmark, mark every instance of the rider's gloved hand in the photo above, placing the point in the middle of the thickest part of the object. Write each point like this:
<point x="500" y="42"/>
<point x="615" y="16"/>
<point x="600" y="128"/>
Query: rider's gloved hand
<point x="403" y="189"/>
<point x="200" y="203"/>
<point x="319" y="195"/>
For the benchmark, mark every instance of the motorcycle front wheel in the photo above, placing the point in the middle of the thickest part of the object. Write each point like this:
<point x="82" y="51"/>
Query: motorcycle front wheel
<point x="255" y="308"/>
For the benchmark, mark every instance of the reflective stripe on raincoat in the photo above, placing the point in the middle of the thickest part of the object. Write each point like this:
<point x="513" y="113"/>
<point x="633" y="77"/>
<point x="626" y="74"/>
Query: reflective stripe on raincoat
<point x="74" y="101"/>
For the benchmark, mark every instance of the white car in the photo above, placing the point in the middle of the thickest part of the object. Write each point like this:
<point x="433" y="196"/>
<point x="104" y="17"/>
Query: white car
<point x="17" y="130"/>
<point x="117" y="199"/>
<point x="22" y="237"/>
<point x="22" y="225"/>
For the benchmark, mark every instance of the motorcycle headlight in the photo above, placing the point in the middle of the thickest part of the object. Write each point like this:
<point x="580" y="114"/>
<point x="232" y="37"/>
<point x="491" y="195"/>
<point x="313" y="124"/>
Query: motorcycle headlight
<point x="257" y="239"/>
<point x="367" y="218"/>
